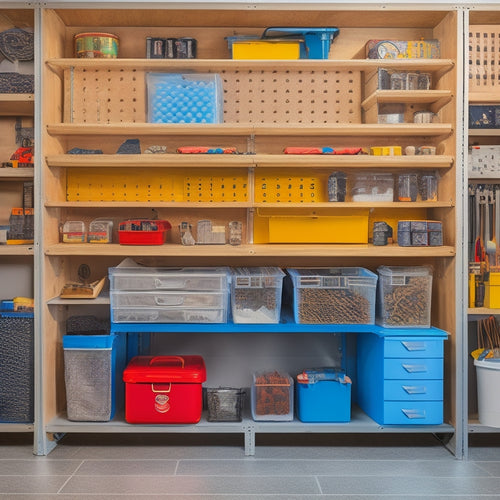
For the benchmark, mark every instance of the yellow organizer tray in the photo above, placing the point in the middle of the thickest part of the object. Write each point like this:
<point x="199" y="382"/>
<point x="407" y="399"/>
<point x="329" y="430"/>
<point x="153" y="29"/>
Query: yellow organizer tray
<point x="266" y="49"/>
<point x="148" y="184"/>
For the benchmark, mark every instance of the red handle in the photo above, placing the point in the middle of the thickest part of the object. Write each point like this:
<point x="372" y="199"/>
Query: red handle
<point x="165" y="360"/>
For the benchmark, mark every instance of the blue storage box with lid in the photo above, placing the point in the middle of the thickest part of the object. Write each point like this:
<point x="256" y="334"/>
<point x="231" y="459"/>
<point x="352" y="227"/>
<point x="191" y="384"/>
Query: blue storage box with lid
<point x="317" y="40"/>
<point x="93" y="367"/>
<point x="323" y="395"/>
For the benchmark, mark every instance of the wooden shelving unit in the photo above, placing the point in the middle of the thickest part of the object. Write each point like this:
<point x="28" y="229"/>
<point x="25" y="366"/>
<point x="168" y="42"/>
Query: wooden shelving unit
<point x="263" y="141"/>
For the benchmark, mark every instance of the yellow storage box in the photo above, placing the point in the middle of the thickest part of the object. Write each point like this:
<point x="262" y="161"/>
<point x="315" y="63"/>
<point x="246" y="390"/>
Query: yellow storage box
<point x="266" y="49"/>
<point x="492" y="292"/>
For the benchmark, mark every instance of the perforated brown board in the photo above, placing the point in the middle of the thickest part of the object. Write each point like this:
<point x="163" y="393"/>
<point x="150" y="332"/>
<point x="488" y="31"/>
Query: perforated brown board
<point x="484" y="58"/>
<point x="285" y="96"/>
<point x="95" y="95"/>
<point x="250" y="96"/>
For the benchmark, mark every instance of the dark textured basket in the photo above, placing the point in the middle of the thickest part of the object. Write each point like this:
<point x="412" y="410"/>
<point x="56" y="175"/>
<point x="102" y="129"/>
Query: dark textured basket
<point x="16" y="369"/>
<point x="17" y="44"/>
<point x="224" y="404"/>
<point x="16" y="83"/>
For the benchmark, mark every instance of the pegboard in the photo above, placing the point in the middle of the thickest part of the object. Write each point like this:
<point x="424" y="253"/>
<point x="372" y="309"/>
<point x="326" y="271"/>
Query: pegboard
<point x="484" y="58"/>
<point x="278" y="188"/>
<point x="150" y="185"/>
<point x="104" y="96"/>
<point x="286" y="96"/>
<point x="250" y="96"/>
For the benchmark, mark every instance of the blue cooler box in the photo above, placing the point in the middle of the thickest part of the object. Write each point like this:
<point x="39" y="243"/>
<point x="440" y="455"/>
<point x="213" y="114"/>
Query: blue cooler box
<point x="323" y="395"/>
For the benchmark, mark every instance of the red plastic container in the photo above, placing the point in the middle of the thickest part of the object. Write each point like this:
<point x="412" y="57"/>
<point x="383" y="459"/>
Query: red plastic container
<point x="143" y="232"/>
<point x="164" y="389"/>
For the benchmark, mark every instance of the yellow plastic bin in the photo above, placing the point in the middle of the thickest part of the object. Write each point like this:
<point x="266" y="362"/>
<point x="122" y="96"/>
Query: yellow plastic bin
<point x="260" y="49"/>
<point x="488" y="381"/>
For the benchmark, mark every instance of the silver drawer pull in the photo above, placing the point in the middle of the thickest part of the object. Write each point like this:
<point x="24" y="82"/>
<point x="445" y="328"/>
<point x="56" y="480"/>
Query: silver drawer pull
<point x="414" y="368"/>
<point x="413" y="413"/>
<point x="414" y="346"/>
<point x="415" y="389"/>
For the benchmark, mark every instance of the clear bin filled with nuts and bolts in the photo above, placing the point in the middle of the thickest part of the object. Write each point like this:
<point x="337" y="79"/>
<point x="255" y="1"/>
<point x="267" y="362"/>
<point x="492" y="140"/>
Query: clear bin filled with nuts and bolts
<point x="404" y="296"/>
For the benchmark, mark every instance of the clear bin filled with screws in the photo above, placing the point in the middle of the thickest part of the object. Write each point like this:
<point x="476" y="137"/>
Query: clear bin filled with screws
<point x="337" y="295"/>
<point x="272" y="396"/>
<point x="256" y="294"/>
<point x="404" y="296"/>
<point x="224" y="404"/>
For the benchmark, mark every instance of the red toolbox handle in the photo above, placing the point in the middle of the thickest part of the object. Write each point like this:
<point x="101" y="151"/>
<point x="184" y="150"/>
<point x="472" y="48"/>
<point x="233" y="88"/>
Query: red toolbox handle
<point x="165" y="360"/>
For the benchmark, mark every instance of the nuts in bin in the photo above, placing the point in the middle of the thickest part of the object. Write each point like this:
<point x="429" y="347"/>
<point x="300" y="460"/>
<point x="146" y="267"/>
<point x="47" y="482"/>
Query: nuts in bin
<point x="272" y="394"/>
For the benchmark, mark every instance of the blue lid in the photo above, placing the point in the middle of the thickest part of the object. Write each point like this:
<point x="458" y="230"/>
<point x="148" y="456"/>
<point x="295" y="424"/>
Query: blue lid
<point x="313" y="375"/>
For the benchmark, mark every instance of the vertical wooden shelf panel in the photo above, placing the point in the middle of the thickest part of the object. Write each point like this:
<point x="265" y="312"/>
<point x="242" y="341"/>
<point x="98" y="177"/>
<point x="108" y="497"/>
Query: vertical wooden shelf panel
<point x="267" y="135"/>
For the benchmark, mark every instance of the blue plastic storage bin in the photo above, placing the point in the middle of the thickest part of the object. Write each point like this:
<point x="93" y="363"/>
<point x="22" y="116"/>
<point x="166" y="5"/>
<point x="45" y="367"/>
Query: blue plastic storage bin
<point x="93" y="367"/>
<point x="189" y="98"/>
<point x="317" y="40"/>
<point x="323" y="395"/>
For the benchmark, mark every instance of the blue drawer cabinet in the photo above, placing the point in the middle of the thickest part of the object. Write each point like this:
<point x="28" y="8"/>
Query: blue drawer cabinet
<point x="400" y="379"/>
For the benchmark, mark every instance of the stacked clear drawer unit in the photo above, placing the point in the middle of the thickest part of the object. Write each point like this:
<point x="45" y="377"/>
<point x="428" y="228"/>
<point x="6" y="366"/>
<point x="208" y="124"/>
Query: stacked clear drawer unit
<point x="168" y="295"/>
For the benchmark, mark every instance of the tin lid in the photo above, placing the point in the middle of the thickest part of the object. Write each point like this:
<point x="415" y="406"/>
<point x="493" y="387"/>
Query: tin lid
<point x="313" y="375"/>
<point x="94" y="34"/>
<point x="158" y="369"/>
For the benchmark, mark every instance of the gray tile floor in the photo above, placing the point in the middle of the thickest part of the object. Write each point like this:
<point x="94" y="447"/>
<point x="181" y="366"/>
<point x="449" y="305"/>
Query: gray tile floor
<point x="189" y="467"/>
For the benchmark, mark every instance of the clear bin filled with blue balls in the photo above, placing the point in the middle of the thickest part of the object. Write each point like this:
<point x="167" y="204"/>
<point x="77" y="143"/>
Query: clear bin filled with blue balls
<point x="184" y="98"/>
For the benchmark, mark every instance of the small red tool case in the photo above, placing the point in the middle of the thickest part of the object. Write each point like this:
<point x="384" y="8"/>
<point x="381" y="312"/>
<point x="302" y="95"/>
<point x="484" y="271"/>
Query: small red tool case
<point x="164" y="389"/>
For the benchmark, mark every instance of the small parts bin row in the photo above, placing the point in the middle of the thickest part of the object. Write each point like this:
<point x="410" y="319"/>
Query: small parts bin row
<point x="397" y="296"/>
<point x="399" y="380"/>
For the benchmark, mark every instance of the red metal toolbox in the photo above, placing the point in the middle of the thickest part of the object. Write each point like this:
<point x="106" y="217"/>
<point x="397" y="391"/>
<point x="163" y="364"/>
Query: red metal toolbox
<point x="164" y="389"/>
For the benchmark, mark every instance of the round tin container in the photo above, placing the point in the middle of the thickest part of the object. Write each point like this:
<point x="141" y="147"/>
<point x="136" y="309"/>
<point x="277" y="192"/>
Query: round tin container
<point x="96" y="45"/>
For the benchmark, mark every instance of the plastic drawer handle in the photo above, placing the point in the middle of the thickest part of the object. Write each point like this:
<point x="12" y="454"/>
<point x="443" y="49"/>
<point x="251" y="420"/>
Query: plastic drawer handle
<point x="415" y="368"/>
<point x="415" y="389"/>
<point x="169" y="283"/>
<point x="411" y="414"/>
<point x="170" y="301"/>
<point x="414" y="346"/>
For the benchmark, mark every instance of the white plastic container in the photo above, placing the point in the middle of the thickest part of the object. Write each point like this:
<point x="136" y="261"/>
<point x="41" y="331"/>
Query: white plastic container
<point x="488" y="381"/>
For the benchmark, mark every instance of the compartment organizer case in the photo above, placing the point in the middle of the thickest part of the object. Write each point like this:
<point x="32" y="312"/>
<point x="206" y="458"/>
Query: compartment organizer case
<point x="164" y="389"/>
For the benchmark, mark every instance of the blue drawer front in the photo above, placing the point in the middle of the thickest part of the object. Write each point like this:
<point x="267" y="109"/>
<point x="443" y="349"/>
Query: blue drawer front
<point x="408" y="369"/>
<point x="413" y="348"/>
<point x="413" y="413"/>
<point x="414" y="390"/>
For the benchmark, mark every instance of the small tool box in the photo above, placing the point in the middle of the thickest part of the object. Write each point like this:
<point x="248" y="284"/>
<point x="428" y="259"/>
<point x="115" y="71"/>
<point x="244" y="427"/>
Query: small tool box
<point x="164" y="389"/>
<point x="323" y="395"/>
<point x="143" y="232"/>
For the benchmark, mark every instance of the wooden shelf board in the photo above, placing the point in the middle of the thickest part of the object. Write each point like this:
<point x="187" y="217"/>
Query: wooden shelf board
<point x="486" y="132"/>
<point x="258" y="160"/>
<point x="16" y="250"/>
<point x="230" y="129"/>
<point x="487" y="97"/>
<point x="359" y="204"/>
<point x="148" y="204"/>
<point x="16" y="173"/>
<point x="17" y="104"/>
<point x="249" y="251"/>
<point x="438" y="98"/>
<point x="284" y="65"/>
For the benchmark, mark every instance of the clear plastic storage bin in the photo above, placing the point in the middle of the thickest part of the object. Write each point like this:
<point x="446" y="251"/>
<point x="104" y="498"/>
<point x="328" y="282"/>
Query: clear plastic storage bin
<point x="404" y="296"/>
<point x="256" y="294"/>
<point x="272" y="396"/>
<point x="337" y="295"/>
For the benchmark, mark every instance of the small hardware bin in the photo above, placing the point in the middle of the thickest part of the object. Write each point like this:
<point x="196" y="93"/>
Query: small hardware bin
<point x="143" y="232"/>
<point x="224" y="404"/>
<point x="272" y="396"/>
<point x="16" y="364"/>
<point x="256" y="294"/>
<point x="404" y="296"/>
<point x="93" y="365"/>
<point x="141" y="294"/>
<point x="74" y="231"/>
<point x="323" y="395"/>
<point x="184" y="98"/>
<point x="337" y="295"/>
<point x="164" y="389"/>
